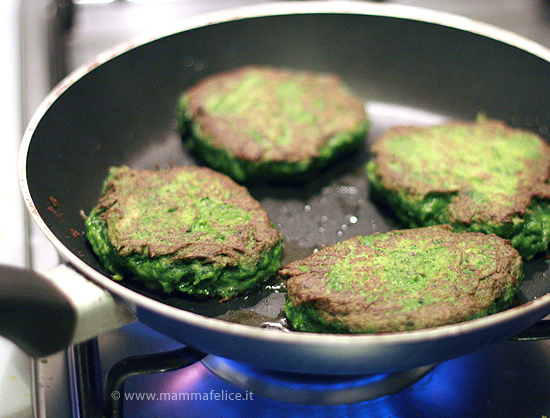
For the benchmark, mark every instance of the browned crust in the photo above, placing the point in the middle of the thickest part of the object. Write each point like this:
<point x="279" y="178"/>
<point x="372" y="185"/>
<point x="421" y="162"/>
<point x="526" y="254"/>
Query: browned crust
<point x="376" y="305"/>
<point x="177" y="239"/>
<point x="232" y="131"/>
<point x="464" y="208"/>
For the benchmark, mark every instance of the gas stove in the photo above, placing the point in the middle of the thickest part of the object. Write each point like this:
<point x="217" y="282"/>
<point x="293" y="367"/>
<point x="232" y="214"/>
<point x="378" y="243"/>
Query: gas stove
<point x="137" y="372"/>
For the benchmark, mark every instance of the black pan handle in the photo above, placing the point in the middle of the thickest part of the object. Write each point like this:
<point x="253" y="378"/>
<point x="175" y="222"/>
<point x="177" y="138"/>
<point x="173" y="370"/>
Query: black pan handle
<point x="536" y="332"/>
<point x="34" y="313"/>
<point x="45" y="313"/>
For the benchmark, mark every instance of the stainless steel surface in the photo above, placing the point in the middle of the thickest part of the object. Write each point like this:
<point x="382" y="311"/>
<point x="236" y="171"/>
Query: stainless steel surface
<point x="100" y="26"/>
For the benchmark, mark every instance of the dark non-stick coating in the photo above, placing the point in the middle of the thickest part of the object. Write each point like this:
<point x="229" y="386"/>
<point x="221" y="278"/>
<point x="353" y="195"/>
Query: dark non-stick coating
<point x="406" y="71"/>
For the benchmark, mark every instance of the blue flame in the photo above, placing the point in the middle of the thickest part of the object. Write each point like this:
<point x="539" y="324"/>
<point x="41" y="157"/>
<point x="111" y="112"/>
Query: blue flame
<point x="449" y="390"/>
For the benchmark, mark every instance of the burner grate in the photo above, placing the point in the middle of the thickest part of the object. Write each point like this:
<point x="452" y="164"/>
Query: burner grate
<point x="92" y="401"/>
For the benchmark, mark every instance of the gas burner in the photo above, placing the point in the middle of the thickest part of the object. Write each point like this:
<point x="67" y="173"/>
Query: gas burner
<point x="295" y="388"/>
<point x="179" y="381"/>
<point x="312" y="389"/>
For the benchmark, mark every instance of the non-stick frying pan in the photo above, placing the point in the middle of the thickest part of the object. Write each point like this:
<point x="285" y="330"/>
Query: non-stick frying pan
<point x="409" y="66"/>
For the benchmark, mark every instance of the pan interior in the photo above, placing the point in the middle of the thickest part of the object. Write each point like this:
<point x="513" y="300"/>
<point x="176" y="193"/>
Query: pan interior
<point x="407" y="72"/>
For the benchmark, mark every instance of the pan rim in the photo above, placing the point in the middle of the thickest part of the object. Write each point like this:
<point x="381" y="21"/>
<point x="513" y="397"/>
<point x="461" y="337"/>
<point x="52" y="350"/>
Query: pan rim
<point x="539" y="306"/>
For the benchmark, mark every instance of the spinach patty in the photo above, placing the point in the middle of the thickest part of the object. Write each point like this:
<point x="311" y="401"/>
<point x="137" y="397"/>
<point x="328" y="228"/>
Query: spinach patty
<point x="401" y="280"/>
<point x="258" y="123"/>
<point x="187" y="229"/>
<point x="477" y="176"/>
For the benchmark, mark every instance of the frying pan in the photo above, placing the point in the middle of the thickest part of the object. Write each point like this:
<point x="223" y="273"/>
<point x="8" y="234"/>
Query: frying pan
<point x="409" y="65"/>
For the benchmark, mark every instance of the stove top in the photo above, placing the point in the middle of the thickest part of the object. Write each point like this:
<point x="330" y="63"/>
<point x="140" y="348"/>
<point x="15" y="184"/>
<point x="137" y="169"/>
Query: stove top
<point x="509" y="379"/>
